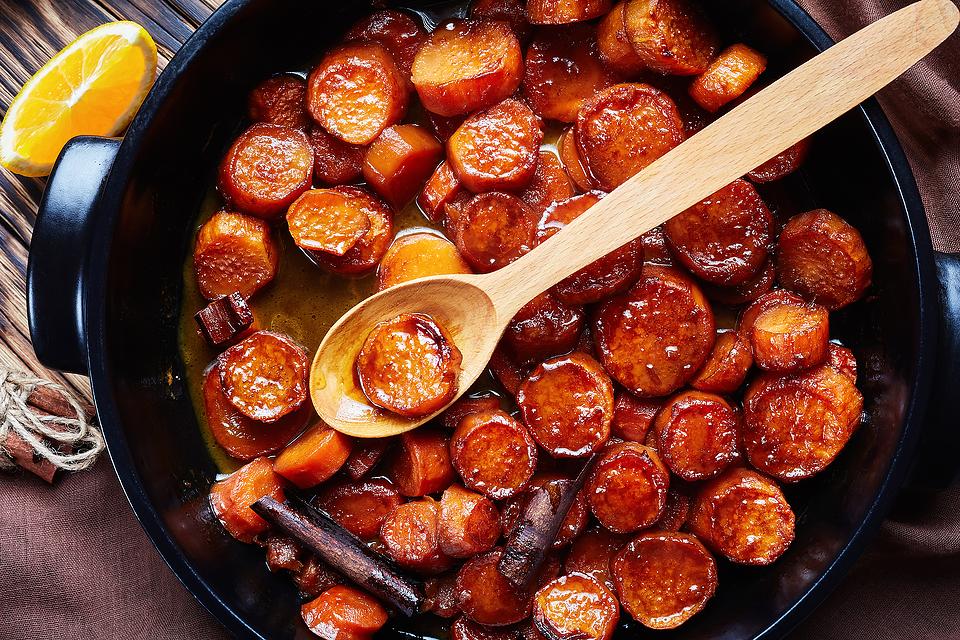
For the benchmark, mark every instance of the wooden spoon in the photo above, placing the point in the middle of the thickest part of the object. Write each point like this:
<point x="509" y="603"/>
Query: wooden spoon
<point x="475" y="309"/>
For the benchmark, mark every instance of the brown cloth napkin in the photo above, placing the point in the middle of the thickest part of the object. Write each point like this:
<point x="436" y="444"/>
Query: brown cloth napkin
<point x="72" y="567"/>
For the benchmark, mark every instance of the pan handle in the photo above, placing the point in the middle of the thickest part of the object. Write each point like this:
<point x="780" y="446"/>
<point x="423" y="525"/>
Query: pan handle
<point x="59" y="251"/>
<point x="937" y="464"/>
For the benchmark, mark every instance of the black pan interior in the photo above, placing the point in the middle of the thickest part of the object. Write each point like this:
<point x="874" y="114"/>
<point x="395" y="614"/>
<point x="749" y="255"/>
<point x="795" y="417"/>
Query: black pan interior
<point x="166" y="167"/>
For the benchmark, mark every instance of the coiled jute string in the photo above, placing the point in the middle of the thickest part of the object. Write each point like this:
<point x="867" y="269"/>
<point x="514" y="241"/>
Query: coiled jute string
<point x="69" y="443"/>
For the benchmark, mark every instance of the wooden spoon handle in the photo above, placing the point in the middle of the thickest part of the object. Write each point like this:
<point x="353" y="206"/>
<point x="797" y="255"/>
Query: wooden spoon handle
<point x="776" y="118"/>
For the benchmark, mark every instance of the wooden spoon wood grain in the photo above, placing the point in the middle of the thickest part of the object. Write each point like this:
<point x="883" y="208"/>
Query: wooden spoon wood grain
<point x="476" y="309"/>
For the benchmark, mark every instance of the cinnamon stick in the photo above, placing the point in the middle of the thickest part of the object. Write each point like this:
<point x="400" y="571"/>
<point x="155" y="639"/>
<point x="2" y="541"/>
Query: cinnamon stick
<point x="223" y="319"/>
<point x="342" y="551"/>
<point x="537" y="529"/>
<point x="27" y="459"/>
<point x="54" y="403"/>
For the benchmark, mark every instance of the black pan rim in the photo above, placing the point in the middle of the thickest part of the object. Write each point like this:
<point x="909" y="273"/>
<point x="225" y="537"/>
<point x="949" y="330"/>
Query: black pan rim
<point x="95" y="321"/>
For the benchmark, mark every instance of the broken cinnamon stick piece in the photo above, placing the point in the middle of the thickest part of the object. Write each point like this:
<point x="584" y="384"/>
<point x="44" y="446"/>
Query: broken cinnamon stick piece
<point x="54" y="403"/>
<point x="342" y="551"/>
<point x="27" y="459"/>
<point x="223" y="319"/>
<point x="537" y="528"/>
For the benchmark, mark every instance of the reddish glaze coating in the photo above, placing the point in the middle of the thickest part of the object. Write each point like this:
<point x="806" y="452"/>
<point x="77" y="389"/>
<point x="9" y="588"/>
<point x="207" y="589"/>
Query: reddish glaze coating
<point x="565" y="11"/>
<point x="495" y="229"/>
<point x="782" y="164"/>
<point x="440" y="597"/>
<point x="698" y="434"/>
<point x="361" y="506"/>
<point x="364" y="256"/>
<point x="421" y="465"/>
<point x="330" y="221"/>
<point x="496" y="149"/>
<point x="749" y="316"/>
<point x="419" y="255"/>
<point x="396" y="31"/>
<point x="663" y="579"/>
<point x="315" y="578"/>
<point x="728" y="77"/>
<point x="356" y="91"/>
<point x="550" y="183"/>
<point x="563" y="68"/>
<point x="234" y="252"/>
<point x="486" y="597"/>
<point x="440" y="190"/>
<point x="603" y="278"/>
<point x="842" y="359"/>
<point x="573" y="162"/>
<point x="508" y="373"/>
<point x="627" y="489"/>
<point x="746" y="292"/>
<point x="231" y="498"/>
<point x="409" y="365"/>
<point x="614" y="44"/>
<point x="266" y="169"/>
<point x="467" y="65"/>
<point x="724" y="238"/>
<point x="469" y="523"/>
<point x="335" y="161"/>
<point x="654" y="338"/>
<point x="576" y="606"/>
<point x="493" y="453"/>
<point x="670" y="36"/>
<point x="554" y="483"/>
<point x="399" y="162"/>
<point x="591" y="554"/>
<point x="265" y="376"/>
<point x="624" y="128"/>
<point x="789" y="337"/>
<point x="677" y="512"/>
<point x="455" y="413"/>
<point x="743" y="516"/>
<point x="344" y="613"/>
<point x="567" y="403"/>
<point x="795" y="425"/>
<point x="410" y="534"/>
<point x="727" y="365"/>
<point x="543" y="327"/>
<point x="655" y="250"/>
<point x="314" y="457"/>
<point x="823" y="259"/>
<point x="513" y="12"/>
<point x="633" y="417"/>
<point x="282" y="100"/>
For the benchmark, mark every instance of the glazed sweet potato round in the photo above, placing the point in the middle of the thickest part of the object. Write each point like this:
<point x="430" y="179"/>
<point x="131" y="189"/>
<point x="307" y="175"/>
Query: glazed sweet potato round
<point x="563" y="68"/>
<point x="234" y="253"/>
<point x="356" y="91"/>
<point x="409" y="365"/>
<point x="513" y="12"/>
<point x="670" y="36"/>
<point x="335" y="161"/>
<point x="466" y="405"/>
<point x="663" y="579"/>
<point x="790" y="337"/>
<point x="399" y="161"/>
<point x="330" y="220"/>
<point x="727" y="365"/>
<point x="364" y="256"/>
<point x="565" y="11"/>
<point x="266" y="169"/>
<point x="265" y="376"/>
<point x="698" y="435"/>
<point x="842" y="359"/>
<point x="725" y="238"/>
<point x="550" y="183"/>
<point x="782" y="164"/>
<point x="419" y="255"/>
<point x="633" y="417"/>
<point x="493" y="453"/>
<point x="728" y="77"/>
<point x="496" y="149"/>
<point x="281" y="99"/>
<point x="396" y="31"/>
<point x="486" y="597"/>
<point x="576" y="606"/>
<point x="744" y="517"/>
<point x="344" y="612"/>
<point x="621" y="130"/>
<point x="467" y="65"/>
<point x="314" y="457"/>
<point x="442" y="188"/>
<point x="495" y="229"/>
<point x="567" y="403"/>
<point x="770" y="299"/>
<point x="544" y="327"/>
<point x="823" y="259"/>
<point x="469" y="523"/>
<point x="654" y="338"/>
<point x="627" y="489"/>
<point x="573" y="162"/>
<point x="409" y="534"/>
<point x="591" y="554"/>
<point x="614" y="44"/>
<point x="360" y="507"/>
<point x="231" y="498"/>
<point x="420" y="465"/>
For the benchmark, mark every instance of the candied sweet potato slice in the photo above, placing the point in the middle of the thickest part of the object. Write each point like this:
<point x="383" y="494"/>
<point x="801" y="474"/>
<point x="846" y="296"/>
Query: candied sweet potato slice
<point x="622" y="129"/>
<point x="771" y="298"/>
<point x="670" y="36"/>
<point x="344" y="613"/>
<point x="572" y="162"/>
<point x="363" y="257"/>
<point x="633" y="417"/>
<point x="410" y="534"/>
<point x="314" y="457"/>
<point x="724" y="238"/>
<point x="360" y="506"/>
<point x="602" y="278"/>
<point x="365" y="456"/>
<point x="231" y="498"/>
<point x="698" y="435"/>
<point x="409" y="365"/>
<point x="728" y="77"/>
<point x="565" y="11"/>
<point x="265" y="376"/>
<point x="421" y="465"/>
<point x="543" y="327"/>
<point x="627" y="489"/>
<point x="513" y="12"/>
<point x="266" y="169"/>
<point x="554" y="483"/>
<point x="469" y="522"/>
<point x="329" y="220"/>
<point x="467" y="65"/>
<point x="440" y="597"/>
<point x="576" y="606"/>
<point x="396" y="31"/>
<point x="486" y="597"/>
<point x="614" y="45"/>
<point x="664" y="578"/>
<point x="506" y="370"/>
<point x="357" y="91"/>
<point x="655" y="248"/>
<point x="567" y="403"/>
<point x="335" y="161"/>
<point x="455" y="413"/>
<point x="727" y="365"/>
<point x="790" y="337"/>
<point x="795" y="425"/>
<point x="493" y="453"/>
<point x="653" y="338"/>
<point x="234" y="252"/>
<point x="842" y="359"/>
<point x="399" y="161"/>
<point x="550" y="183"/>
<point x="782" y="164"/>
<point x="747" y="291"/>
<point x="281" y="99"/>
<point x="824" y="259"/>
<point x="562" y="69"/>
<point x="743" y="516"/>
<point x="495" y="229"/>
<point x="591" y="553"/>
<point x="441" y="188"/>
<point x="419" y="255"/>
<point x="496" y="149"/>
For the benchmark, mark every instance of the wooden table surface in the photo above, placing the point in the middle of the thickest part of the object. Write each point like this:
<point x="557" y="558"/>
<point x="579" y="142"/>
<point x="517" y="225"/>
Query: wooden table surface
<point x="31" y="31"/>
